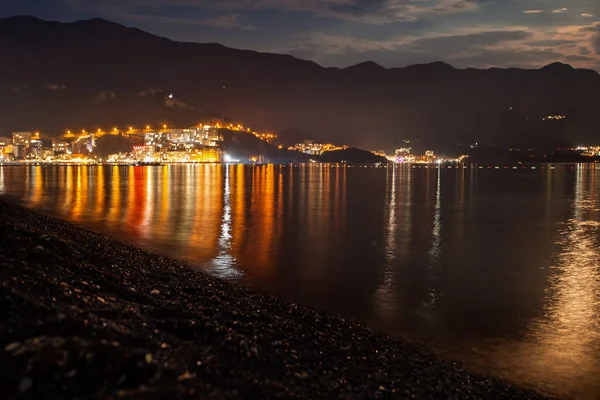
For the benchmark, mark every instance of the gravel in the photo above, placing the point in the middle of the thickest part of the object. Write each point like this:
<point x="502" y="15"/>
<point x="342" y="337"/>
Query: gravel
<point x="85" y="316"/>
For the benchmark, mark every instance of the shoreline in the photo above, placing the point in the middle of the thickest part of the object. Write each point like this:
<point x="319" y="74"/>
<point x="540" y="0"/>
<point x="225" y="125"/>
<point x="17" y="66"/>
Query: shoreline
<point x="84" y="315"/>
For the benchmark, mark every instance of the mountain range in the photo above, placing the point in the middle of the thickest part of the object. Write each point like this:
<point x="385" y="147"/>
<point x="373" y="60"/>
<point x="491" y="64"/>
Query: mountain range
<point x="98" y="74"/>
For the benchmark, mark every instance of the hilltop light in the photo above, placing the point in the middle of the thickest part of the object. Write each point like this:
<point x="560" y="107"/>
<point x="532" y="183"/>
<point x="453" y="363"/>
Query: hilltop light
<point x="164" y="126"/>
<point x="147" y="126"/>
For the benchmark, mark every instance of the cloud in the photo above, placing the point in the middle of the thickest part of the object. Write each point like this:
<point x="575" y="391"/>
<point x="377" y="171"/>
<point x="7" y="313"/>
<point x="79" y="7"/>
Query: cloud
<point x="150" y="91"/>
<point x="560" y="11"/>
<point x="364" y="11"/>
<point x="587" y="15"/>
<point x="224" y="21"/>
<point x="533" y="11"/>
<point x="434" y="46"/>
<point x="473" y="47"/>
<point x="102" y="97"/>
<point x="227" y="21"/>
<point x="55" y="87"/>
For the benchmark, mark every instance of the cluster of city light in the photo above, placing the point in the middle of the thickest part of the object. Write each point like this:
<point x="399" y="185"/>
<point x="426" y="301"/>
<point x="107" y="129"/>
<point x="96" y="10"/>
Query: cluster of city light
<point x="405" y="155"/>
<point x="131" y="130"/>
<point x="196" y="144"/>
<point x="554" y="117"/>
<point x="589" y="151"/>
<point x="315" y="148"/>
<point x="267" y="137"/>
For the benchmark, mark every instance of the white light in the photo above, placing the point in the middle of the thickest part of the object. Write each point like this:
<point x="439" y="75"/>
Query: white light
<point x="171" y="96"/>
<point x="228" y="158"/>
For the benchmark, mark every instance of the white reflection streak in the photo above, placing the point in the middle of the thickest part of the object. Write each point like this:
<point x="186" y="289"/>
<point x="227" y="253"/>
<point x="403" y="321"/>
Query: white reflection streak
<point x="224" y="262"/>
<point x="566" y="337"/>
<point x="436" y="239"/>
<point x="435" y="250"/>
<point x="2" y="179"/>
<point x="384" y="294"/>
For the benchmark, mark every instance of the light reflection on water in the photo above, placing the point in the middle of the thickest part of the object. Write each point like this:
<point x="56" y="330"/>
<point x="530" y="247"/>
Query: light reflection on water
<point x="500" y="268"/>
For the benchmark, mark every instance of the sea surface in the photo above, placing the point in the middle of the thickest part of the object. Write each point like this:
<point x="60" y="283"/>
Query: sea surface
<point x="499" y="268"/>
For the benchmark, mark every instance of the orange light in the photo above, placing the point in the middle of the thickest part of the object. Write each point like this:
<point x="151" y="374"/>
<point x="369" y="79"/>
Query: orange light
<point x="147" y="126"/>
<point x="115" y="129"/>
<point x="164" y="126"/>
<point x="131" y="128"/>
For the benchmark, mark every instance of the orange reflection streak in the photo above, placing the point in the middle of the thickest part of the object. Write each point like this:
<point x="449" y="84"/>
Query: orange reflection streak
<point x="148" y="216"/>
<point x="204" y="235"/>
<point x="130" y="198"/>
<point x="136" y="199"/>
<point x="38" y="189"/>
<point x="99" y="207"/>
<point x="68" y="189"/>
<point x="238" y="210"/>
<point x="81" y="193"/>
<point x="115" y="196"/>
<point x="261" y="230"/>
<point x="165" y="192"/>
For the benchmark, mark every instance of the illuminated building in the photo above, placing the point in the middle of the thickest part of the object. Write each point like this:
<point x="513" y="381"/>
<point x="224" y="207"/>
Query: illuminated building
<point x="403" y="155"/>
<point x="429" y="156"/>
<point x="35" y="146"/>
<point x="144" y="153"/>
<point x="19" y="151"/>
<point x="21" y="138"/>
<point x="315" y="148"/>
<point x="200" y="155"/>
<point x="183" y="139"/>
<point x="6" y="148"/>
<point x="61" y="147"/>
<point x="380" y="153"/>
<point x="84" y="144"/>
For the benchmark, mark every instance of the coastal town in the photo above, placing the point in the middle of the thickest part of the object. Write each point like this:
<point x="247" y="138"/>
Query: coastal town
<point x="203" y="143"/>
<point x="163" y="144"/>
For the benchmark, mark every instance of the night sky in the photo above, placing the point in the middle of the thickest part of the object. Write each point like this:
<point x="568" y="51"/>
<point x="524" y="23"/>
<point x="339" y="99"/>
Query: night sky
<point x="393" y="33"/>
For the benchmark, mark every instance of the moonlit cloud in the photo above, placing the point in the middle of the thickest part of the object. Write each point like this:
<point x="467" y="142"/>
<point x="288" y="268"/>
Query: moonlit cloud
<point x="560" y="11"/>
<point x="533" y="12"/>
<point x="586" y="15"/>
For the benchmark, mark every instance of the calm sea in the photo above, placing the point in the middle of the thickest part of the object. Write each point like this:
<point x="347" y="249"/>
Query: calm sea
<point x="499" y="268"/>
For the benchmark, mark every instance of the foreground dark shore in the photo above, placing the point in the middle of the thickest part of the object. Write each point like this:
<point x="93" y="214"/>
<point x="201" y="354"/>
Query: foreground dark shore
<point x="82" y="315"/>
